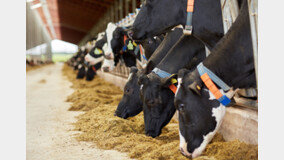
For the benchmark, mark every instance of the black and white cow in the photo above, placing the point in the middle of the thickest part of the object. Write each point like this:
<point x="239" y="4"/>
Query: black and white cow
<point x="149" y="46"/>
<point x="157" y="97"/>
<point x="92" y="69"/>
<point x="119" y="46"/>
<point x="131" y="104"/>
<point x="96" y="54"/>
<point x="200" y="113"/>
<point x="158" y="16"/>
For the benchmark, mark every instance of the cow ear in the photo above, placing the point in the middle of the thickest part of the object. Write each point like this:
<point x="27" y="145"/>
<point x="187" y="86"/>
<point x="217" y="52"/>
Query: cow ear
<point x="133" y="69"/>
<point x="195" y="87"/>
<point x="149" y="67"/>
<point x="143" y="79"/>
<point x="182" y="72"/>
<point x="169" y="80"/>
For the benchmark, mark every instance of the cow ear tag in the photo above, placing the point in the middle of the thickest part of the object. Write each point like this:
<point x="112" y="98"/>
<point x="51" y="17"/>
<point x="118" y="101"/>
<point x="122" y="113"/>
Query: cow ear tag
<point x="124" y="48"/>
<point x="198" y="87"/>
<point x="134" y="44"/>
<point x="130" y="46"/>
<point x="173" y="81"/>
<point x="98" y="51"/>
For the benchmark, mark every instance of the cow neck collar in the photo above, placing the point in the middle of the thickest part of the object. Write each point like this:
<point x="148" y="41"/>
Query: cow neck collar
<point x="164" y="74"/>
<point x="207" y="76"/>
<point x="94" y="68"/>
<point x="188" y="25"/>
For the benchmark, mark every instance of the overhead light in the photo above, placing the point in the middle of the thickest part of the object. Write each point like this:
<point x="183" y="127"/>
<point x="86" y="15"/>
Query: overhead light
<point x="36" y="6"/>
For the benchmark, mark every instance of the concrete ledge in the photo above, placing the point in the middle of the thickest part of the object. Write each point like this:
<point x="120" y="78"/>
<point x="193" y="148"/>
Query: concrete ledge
<point x="116" y="80"/>
<point x="239" y="122"/>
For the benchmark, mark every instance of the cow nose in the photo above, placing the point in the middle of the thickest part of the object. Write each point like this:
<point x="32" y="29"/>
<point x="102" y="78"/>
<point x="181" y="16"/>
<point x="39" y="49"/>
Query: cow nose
<point x="184" y="153"/>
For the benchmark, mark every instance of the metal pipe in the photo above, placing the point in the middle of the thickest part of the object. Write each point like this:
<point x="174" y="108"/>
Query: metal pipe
<point x="253" y="16"/>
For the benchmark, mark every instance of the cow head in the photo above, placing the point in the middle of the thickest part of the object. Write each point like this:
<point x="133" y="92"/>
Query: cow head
<point x="158" y="103"/>
<point x="117" y="40"/>
<point x="158" y="16"/>
<point x="95" y="56"/>
<point x="200" y="114"/>
<point x="130" y="104"/>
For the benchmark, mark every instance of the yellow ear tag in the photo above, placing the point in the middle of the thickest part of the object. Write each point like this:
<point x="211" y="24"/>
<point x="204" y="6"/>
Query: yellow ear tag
<point x="130" y="46"/>
<point x="134" y="44"/>
<point x="98" y="51"/>
<point x="198" y="87"/>
<point x="173" y="80"/>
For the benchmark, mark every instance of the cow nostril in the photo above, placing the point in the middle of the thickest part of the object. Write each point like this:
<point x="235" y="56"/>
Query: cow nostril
<point x="183" y="153"/>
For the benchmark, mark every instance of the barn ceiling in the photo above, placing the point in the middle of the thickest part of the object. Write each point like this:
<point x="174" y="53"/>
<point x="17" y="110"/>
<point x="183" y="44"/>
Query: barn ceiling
<point x="73" y="19"/>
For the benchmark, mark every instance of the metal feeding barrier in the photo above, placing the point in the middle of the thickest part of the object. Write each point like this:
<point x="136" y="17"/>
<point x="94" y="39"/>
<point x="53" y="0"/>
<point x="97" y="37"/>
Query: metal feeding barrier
<point x="230" y="11"/>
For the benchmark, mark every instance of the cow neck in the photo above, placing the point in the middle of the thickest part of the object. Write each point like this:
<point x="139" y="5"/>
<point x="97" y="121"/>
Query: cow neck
<point x="181" y="54"/>
<point x="201" y="18"/>
<point x="208" y="77"/>
<point x="232" y="58"/>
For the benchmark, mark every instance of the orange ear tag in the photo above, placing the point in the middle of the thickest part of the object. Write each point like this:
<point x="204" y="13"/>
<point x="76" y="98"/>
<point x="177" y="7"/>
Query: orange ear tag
<point x="173" y="88"/>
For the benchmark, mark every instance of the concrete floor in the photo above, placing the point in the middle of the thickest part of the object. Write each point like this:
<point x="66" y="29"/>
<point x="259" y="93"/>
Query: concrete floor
<point x="49" y="130"/>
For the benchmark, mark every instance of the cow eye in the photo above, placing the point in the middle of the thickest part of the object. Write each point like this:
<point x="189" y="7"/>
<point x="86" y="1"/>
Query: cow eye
<point x="151" y="102"/>
<point x="181" y="107"/>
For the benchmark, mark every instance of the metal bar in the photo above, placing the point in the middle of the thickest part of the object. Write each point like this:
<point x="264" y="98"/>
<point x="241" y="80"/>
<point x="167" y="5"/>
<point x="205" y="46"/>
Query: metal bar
<point x="253" y="16"/>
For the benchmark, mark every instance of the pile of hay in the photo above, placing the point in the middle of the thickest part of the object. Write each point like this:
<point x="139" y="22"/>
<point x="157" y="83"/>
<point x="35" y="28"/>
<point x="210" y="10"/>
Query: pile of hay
<point x="99" y="100"/>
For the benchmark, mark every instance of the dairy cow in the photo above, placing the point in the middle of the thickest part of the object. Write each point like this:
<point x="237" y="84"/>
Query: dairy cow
<point x="157" y="94"/>
<point x="131" y="104"/>
<point x="159" y="16"/>
<point x="201" y="98"/>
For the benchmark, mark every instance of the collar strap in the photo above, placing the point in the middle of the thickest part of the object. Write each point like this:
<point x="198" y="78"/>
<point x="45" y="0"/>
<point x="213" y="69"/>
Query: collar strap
<point x="164" y="74"/>
<point x="188" y="26"/>
<point x="94" y="69"/>
<point x="142" y="52"/>
<point x="161" y="73"/>
<point x="124" y="38"/>
<point x="207" y="76"/>
<point x="202" y="69"/>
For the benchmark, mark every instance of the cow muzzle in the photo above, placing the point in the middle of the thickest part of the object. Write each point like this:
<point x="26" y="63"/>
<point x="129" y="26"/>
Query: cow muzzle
<point x="185" y="153"/>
